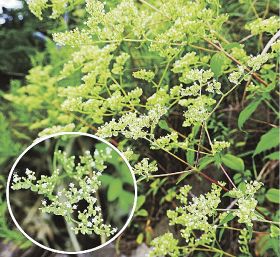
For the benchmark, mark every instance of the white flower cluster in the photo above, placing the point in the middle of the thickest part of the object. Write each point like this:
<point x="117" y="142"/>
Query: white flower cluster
<point x="165" y="245"/>
<point x="234" y="77"/>
<point x="246" y="201"/>
<point x="183" y="65"/>
<point x="56" y="129"/>
<point x="132" y="125"/>
<point x="144" y="74"/>
<point x="196" y="215"/>
<point x="276" y="46"/>
<point x="112" y="25"/>
<point x="73" y="38"/>
<point x="197" y="109"/>
<point x="219" y="146"/>
<point x="256" y="62"/>
<point x="118" y="67"/>
<point x="144" y="168"/>
<point x="63" y="198"/>
<point x="58" y="7"/>
<point x="258" y="26"/>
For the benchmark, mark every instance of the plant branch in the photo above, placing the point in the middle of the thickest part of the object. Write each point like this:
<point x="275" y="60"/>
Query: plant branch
<point x="220" y="48"/>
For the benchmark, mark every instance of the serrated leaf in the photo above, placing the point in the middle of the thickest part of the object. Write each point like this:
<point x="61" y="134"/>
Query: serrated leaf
<point x="114" y="190"/>
<point x="268" y="141"/>
<point x="216" y="64"/>
<point x="246" y="113"/>
<point x="273" y="195"/>
<point x="233" y="162"/>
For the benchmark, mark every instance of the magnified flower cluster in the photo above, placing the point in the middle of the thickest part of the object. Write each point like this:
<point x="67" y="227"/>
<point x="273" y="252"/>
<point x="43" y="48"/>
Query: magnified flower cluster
<point x="70" y="184"/>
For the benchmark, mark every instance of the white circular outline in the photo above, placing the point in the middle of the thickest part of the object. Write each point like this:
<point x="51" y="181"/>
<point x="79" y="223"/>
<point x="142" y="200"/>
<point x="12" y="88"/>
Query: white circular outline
<point x="41" y="139"/>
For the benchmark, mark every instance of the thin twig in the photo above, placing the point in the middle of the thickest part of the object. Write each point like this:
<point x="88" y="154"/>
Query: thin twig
<point x="228" y="177"/>
<point x="255" y="75"/>
<point x="270" y="42"/>
<point x="170" y="174"/>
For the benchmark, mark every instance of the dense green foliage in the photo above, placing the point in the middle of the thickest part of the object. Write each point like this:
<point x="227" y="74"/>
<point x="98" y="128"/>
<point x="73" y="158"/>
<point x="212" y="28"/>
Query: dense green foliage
<point x="188" y="91"/>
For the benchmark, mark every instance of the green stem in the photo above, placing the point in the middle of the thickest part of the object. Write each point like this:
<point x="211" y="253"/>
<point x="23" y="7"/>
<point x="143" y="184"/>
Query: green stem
<point x="73" y="237"/>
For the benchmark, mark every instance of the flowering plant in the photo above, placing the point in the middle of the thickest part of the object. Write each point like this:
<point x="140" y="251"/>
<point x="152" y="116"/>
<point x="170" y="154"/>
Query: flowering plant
<point x="68" y="185"/>
<point x="188" y="96"/>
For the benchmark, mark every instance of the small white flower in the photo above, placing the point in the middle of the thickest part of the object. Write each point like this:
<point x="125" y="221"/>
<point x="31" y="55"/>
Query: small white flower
<point x="68" y="205"/>
<point x="44" y="202"/>
<point x="89" y="224"/>
<point x="71" y="185"/>
<point x="44" y="185"/>
<point x="94" y="220"/>
<point x="97" y="208"/>
<point x="16" y="178"/>
<point x="75" y="206"/>
<point x="28" y="172"/>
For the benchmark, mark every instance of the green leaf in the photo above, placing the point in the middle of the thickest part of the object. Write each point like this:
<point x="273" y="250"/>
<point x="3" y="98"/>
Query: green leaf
<point x="190" y="156"/>
<point x="140" y="238"/>
<point x="216" y="64"/>
<point x="266" y="243"/>
<point x="140" y="201"/>
<point x="274" y="231"/>
<point x="142" y="213"/>
<point x="273" y="195"/>
<point x="221" y="233"/>
<point x="126" y="200"/>
<point x="233" y="162"/>
<point x="247" y="112"/>
<point x="227" y="218"/>
<point x="205" y="161"/>
<point x="163" y="125"/>
<point x="114" y="190"/>
<point x="273" y="156"/>
<point x="268" y="141"/>
<point x="106" y="179"/>
<point x="183" y="176"/>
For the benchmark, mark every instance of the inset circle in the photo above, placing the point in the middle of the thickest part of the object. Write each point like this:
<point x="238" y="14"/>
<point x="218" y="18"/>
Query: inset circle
<point x="71" y="193"/>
